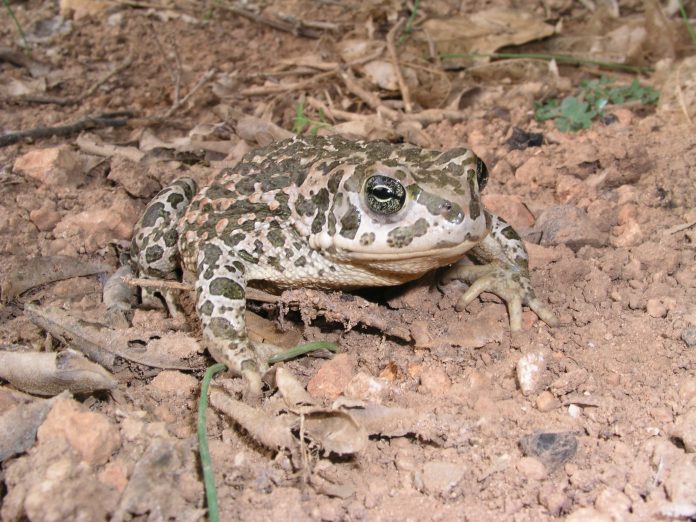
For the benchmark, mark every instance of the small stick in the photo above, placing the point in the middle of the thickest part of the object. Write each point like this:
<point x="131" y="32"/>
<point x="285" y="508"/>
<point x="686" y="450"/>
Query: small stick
<point x="117" y="119"/>
<point x="296" y="86"/>
<point x="73" y="100"/>
<point x="299" y="29"/>
<point x="335" y="114"/>
<point x="391" y="49"/>
<point x="203" y="80"/>
<point x="157" y="283"/>
<point x="370" y="98"/>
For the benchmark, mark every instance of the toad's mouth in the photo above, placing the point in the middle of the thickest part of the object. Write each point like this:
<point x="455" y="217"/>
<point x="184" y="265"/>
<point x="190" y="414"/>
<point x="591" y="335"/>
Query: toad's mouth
<point x="440" y="255"/>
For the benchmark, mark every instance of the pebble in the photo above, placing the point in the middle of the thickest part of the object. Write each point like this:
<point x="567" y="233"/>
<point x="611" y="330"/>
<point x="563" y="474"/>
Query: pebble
<point x="531" y="372"/>
<point x="99" y="226"/>
<point x="365" y="387"/>
<point x="685" y="429"/>
<point x="511" y="208"/>
<point x="680" y="484"/>
<point x="91" y="434"/>
<point x="536" y="171"/>
<point x="53" y="166"/>
<point x="687" y="389"/>
<point x="532" y="468"/>
<point x="172" y="382"/>
<point x="435" y="381"/>
<point x="552" y="497"/>
<point x="568" y="225"/>
<point x="546" y="401"/>
<point x="552" y="449"/>
<point x="688" y="335"/>
<point x="45" y="217"/>
<point x="655" y="308"/>
<point x="132" y="177"/>
<point x="614" y="503"/>
<point x="332" y="378"/>
<point x="441" y="477"/>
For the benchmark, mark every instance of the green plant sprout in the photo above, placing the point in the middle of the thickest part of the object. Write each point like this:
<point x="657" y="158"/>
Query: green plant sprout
<point x="577" y="112"/>
<point x="302" y="122"/>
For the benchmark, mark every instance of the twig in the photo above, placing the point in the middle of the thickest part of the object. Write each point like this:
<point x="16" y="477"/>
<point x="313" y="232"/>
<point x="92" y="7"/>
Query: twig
<point x="391" y="49"/>
<point x="204" y="79"/>
<point x="298" y="29"/>
<point x="116" y="119"/>
<point x="73" y="100"/>
<point x="370" y="98"/>
<point x="295" y="86"/>
<point x="157" y="283"/>
<point x="335" y="114"/>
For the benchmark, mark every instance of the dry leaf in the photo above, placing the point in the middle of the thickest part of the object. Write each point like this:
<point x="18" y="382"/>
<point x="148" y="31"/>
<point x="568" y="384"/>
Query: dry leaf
<point x="50" y="373"/>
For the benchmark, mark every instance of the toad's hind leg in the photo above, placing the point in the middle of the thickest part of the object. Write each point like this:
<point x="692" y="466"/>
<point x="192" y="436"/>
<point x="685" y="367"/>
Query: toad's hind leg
<point x="221" y="304"/>
<point x="154" y="251"/>
<point x="504" y="271"/>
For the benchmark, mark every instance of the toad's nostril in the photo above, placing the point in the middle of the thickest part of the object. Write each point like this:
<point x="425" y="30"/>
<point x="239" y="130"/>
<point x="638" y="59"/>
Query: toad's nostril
<point x="446" y="206"/>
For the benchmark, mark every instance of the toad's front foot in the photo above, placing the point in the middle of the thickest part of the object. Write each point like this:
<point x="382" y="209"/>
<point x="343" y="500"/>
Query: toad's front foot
<point x="510" y="283"/>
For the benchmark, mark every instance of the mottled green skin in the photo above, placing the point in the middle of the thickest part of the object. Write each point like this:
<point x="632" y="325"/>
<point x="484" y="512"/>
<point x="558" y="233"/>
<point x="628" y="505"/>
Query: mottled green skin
<point x="323" y="212"/>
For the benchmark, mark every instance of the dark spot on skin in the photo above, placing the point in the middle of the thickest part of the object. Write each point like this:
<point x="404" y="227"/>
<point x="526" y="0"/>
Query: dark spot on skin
<point x="300" y="261"/>
<point x="274" y="262"/>
<point x="170" y="237"/>
<point x="509" y="233"/>
<point x="223" y="329"/>
<point x="211" y="254"/>
<point x="234" y="239"/>
<point x="206" y="308"/>
<point x="239" y="266"/>
<point x="152" y="214"/>
<point x="276" y="237"/>
<point x="226" y="288"/>
<point x="153" y="254"/>
<point x="451" y="154"/>
<point x="175" y="199"/>
<point x="367" y="238"/>
<point x="258" y="246"/>
<point x="246" y="256"/>
<point x="350" y="222"/>
<point x="219" y="193"/>
<point x="474" y="203"/>
<point x="275" y="183"/>
<point x="332" y="224"/>
<point x="481" y="174"/>
<point x="305" y="207"/>
<point x="400" y="237"/>
<point x="189" y="187"/>
<point x="334" y="181"/>
<point x="248" y="226"/>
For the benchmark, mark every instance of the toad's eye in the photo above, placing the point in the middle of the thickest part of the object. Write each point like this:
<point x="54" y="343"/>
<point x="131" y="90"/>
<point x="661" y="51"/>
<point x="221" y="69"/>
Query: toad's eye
<point x="384" y="195"/>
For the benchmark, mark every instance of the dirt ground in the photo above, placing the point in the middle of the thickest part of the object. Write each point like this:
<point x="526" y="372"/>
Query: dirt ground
<point x="594" y="419"/>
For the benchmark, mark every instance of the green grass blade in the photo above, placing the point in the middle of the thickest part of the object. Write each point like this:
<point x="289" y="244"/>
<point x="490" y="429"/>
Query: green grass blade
<point x="206" y="466"/>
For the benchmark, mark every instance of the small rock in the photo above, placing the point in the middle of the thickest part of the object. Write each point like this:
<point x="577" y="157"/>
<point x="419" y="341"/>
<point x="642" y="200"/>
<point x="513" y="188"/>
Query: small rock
<point x="574" y="411"/>
<point x="435" y="381"/>
<point x="91" y="434"/>
<point x="546" y="401"/>
<point x="553" y="498"/>
<point x="441" y="477"/>
<point x="628" y="234"/>
<point x="536" y="171"/>
<point x="655" y="308"/>
<point x="115" y="474"/>
<point x="569" y="225"/>
<point x="680" y="484"/>
<point x="553" y="449"/>
<point x="172" y="382"/>
<point x="332" y="378"/>
<point x="532" y="468"/>
<point x="511" y="208"/>
<point x="46" y="217"/>
<point x="365" y="387"/>
<point x="81" y="8"/>
<point x="531" y="372"/>
<point x="688" y="335"/>
<point x="613" y="503"/>
<point x="132" y="177"/>
<point x="540" y="257"/>
<point x="685" y="429"/>
<point x="97" y="227"/>
<point x="54" y="166"/>
<point x="687" y="389"/>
